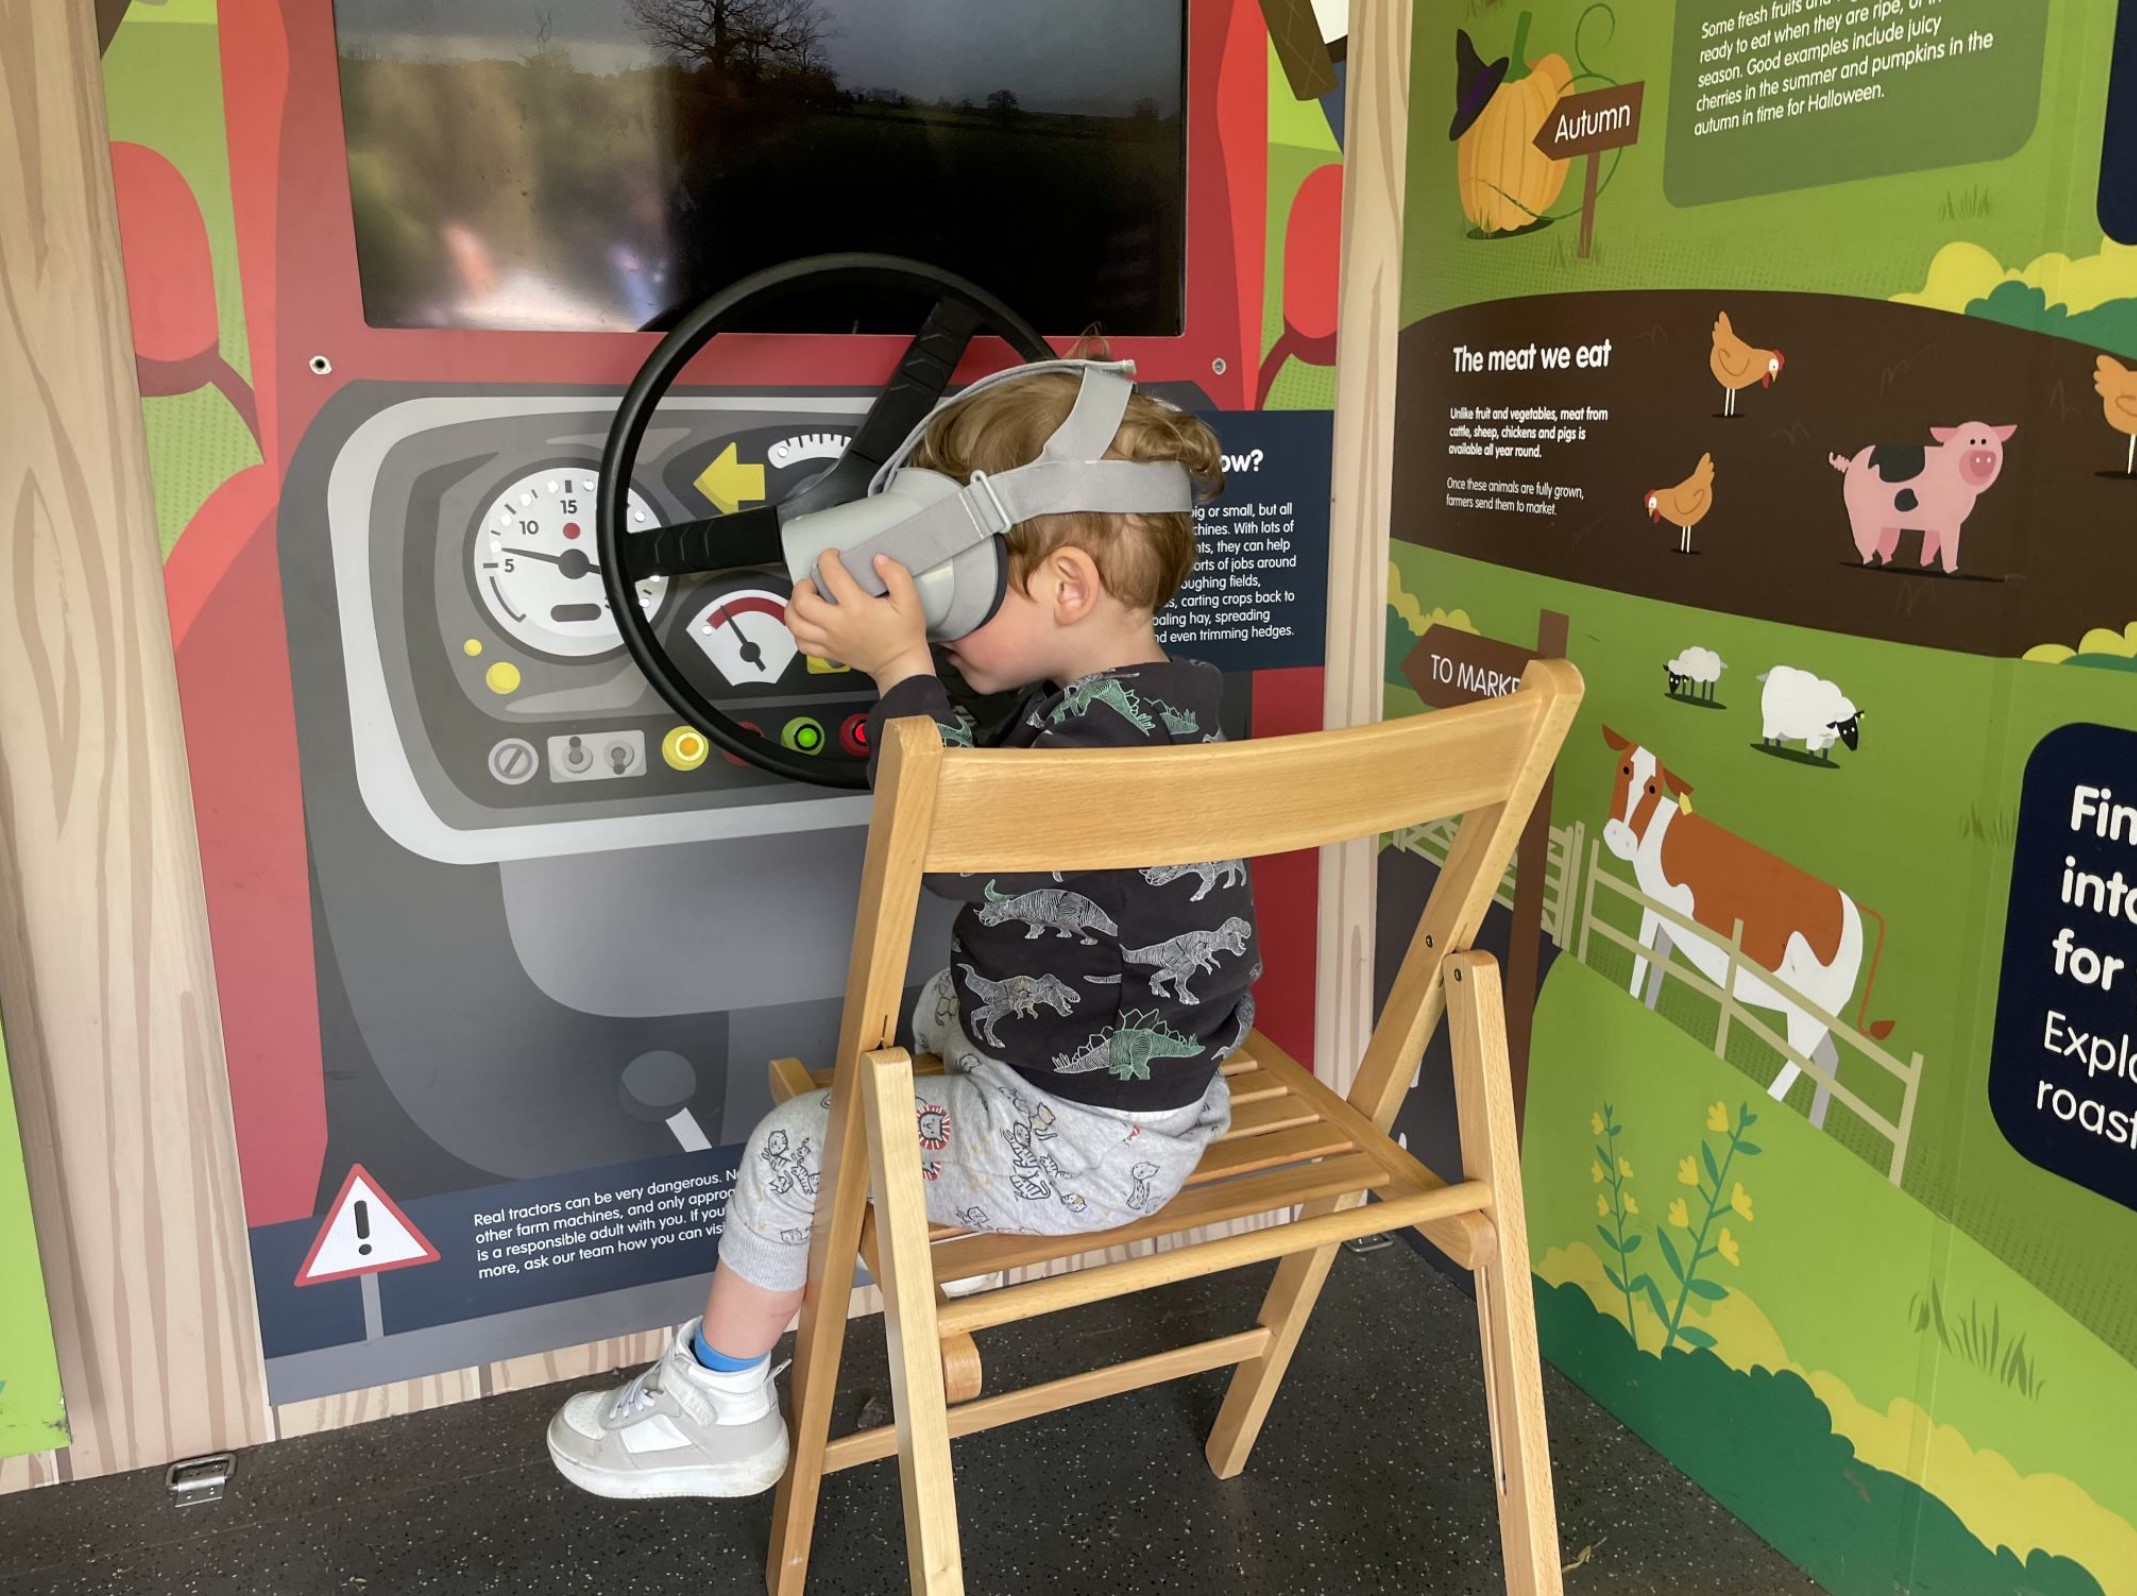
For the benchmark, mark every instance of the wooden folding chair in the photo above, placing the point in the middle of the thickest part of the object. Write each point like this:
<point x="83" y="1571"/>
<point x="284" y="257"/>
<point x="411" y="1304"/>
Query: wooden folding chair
<point x="1294" y="1144"/>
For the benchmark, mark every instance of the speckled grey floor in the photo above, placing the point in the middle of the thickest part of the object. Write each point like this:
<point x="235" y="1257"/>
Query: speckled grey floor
<point x="1370" y="1477"/>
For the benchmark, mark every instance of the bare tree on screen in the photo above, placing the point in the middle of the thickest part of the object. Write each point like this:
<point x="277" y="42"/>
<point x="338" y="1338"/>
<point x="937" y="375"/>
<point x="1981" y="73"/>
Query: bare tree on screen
<point x="746" y="38"/>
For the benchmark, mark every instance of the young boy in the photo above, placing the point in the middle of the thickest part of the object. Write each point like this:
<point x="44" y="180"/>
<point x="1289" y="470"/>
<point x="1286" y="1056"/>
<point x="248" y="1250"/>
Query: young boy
<point x="1084" y="1014"/>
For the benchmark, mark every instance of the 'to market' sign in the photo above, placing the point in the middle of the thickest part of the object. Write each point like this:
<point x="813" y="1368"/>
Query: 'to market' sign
<point x="1449" y="666"/>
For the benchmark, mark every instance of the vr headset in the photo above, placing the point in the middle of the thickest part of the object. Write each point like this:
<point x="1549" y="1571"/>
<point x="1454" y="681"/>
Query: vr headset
<point x="953" y="536"/>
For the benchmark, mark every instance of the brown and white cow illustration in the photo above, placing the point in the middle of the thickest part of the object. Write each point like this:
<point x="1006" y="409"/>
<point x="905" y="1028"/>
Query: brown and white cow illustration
<point x="1807" y="932"/>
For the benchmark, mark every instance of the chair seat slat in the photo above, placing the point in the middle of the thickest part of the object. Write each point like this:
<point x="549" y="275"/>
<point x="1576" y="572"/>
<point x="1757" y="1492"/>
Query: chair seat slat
<point x="1249" y="1085"/>
<point x="1215" y="1203"/>
<point x="1225" y="1160"/>
<point x="1246" y="1154"/>
<point x="1035" y="1297"/>
<point x="1262" y="1115"/>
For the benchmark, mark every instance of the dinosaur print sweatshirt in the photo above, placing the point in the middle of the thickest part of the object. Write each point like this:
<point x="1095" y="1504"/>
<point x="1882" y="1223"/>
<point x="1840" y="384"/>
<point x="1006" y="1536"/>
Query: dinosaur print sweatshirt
<point x="1118" y="988"/>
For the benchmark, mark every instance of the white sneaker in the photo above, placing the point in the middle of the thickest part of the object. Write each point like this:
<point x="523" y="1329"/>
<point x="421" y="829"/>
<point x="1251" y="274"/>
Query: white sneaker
<point x="676" y="1429"/>
<point x="973" y="1284"/>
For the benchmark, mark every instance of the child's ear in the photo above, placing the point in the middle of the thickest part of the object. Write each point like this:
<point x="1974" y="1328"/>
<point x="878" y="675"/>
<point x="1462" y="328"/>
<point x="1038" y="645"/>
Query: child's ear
<point x="1075" y="581"/>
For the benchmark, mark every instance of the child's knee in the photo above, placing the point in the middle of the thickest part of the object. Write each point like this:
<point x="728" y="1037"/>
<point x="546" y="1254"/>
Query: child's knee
<point x="794" y="1129"/>
<point x="783" y="1161"/>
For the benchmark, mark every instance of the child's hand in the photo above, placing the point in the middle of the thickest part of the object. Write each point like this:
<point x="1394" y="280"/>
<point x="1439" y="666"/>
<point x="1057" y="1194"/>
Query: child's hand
<point x="886" y="637"/>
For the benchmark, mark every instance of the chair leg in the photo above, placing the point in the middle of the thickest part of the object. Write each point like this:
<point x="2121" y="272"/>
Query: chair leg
<point x="818" y="1345"/>
<point x="909" y="1325"/>
<point x="1284" y="1312"/>
<point x="963" y="1377"/>
<point x="1506" y="1303"/>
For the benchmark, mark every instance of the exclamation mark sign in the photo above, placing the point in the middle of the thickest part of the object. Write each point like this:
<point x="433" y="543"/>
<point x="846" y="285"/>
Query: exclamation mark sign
<point x="363" y="1228"/>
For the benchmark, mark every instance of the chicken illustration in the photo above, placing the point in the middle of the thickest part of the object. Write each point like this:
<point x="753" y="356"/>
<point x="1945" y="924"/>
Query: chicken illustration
<point x="1687" y="504"/>
<point x="2116" y="385"/>
<point x="1736" y="365"/>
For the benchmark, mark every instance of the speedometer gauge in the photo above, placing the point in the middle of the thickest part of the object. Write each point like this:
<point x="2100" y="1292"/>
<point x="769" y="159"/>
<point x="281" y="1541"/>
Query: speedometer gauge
<point x="534" y="563"/>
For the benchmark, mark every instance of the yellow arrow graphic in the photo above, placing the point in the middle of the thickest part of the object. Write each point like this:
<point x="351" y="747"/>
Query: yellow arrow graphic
<point x="730" y="482"/>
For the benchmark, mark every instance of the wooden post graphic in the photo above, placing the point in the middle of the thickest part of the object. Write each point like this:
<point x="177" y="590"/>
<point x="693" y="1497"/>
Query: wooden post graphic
<point x="1449" y="667"/>
<point x="1588" y="124"/>
<point x="1524" y="955"/>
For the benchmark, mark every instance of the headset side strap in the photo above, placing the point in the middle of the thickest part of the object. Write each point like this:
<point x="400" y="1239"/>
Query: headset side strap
<point x="989" y="506"/>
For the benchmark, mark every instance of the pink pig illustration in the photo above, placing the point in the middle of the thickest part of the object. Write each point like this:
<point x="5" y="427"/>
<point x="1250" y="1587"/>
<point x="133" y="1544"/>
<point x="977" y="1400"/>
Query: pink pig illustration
<point x="1899" y="487"/>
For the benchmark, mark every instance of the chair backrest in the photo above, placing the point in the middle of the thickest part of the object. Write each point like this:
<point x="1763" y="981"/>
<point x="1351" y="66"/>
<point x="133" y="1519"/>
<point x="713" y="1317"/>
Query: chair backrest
<point x="1029" y="810"/>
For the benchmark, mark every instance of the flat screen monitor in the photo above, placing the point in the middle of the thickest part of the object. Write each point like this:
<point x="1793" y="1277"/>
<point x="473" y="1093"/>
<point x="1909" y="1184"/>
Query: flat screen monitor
<point x="596" y="165"/>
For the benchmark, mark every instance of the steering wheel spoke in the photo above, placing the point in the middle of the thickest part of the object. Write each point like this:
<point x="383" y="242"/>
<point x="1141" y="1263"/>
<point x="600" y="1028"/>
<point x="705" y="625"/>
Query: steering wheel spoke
<point x="717" y="543"/>
<point x="915" y="388"/>
<point x="750" y="538"/>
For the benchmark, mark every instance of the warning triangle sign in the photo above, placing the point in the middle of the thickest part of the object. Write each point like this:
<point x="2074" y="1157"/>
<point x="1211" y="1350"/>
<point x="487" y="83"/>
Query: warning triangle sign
<point x="365" y="1232"/>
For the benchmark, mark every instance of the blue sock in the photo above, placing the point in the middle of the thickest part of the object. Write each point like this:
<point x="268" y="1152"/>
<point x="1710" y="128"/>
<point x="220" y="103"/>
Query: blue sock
<point x="719" y="1362"/>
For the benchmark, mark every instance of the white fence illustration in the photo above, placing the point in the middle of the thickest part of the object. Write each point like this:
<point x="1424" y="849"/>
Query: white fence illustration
<point x="1731" y="1011"/>
<point x="1561" y="870"/>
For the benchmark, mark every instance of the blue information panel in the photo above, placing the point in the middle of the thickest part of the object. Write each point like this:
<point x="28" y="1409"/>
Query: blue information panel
<point x="2063" y="1079"/>
<point x="1258" y="597"/>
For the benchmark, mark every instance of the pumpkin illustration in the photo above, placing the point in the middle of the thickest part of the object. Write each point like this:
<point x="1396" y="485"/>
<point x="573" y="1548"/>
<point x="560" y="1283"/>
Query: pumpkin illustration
<point x="1504" y="180"/>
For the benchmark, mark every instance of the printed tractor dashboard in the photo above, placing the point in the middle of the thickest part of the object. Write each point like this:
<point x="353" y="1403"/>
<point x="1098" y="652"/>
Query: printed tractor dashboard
<point x="496" y="713"/>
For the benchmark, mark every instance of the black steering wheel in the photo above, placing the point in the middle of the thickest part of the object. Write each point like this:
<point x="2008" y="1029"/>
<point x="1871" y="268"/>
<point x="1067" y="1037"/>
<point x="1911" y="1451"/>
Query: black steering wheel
<point x="749" y="538"/>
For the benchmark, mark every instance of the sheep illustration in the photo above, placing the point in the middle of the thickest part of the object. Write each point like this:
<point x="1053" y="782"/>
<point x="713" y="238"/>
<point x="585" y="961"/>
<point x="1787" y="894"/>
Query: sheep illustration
<point x="1692" y="675"/>
<point x="1799" y="706"/>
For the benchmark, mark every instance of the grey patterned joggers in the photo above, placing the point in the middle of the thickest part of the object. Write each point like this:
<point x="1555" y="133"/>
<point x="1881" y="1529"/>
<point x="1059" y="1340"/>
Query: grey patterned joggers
<point x="997" y="1154"/>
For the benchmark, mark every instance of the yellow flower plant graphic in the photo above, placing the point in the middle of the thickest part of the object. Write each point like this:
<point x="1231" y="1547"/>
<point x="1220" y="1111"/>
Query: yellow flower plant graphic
<point x="1699" y="1238"/>
<point x="1614" y="1207"/>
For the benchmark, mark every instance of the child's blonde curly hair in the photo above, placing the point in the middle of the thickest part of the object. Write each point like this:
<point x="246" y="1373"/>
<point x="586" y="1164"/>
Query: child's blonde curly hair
<point x="1142" y="558"/>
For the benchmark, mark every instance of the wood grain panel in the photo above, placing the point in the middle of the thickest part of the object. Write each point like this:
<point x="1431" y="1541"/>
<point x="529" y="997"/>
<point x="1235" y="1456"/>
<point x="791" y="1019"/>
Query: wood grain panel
<point x="379" y="1402"/>
<point x="30" y="1471"/>
<point x="1369" y="316"/>
<point x="104" y="966"/>
<point x="573" y="1363"/>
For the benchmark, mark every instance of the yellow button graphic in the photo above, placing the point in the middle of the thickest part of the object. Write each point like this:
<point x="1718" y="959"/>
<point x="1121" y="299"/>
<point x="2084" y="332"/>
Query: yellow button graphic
<point x="685" y="748"/>
<point x="503" y="677"/>
<point x="826" y="667"/>
<point x="472" y="648"/>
